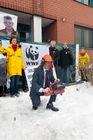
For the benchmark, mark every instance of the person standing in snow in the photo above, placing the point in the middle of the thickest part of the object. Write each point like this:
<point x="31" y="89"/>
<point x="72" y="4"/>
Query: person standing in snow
<point x="66" y="62"/>
<point x="42" y="78"/>
<point x="54" y="52"/>
<point x="84" y="62"/>
<point x="15" y="64"/>
<point x="3" y="78"/>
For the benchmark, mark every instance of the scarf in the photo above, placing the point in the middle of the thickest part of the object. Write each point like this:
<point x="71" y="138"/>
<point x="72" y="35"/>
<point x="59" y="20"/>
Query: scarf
<point x="14" y="47"/>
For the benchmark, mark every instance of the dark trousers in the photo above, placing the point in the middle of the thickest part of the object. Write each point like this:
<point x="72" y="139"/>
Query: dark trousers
<point x="3" y="90"/>
<point x="14" y="81"/>
<point x="24" y="82"/>
<point x="36" y="98"/>
<point x="66" y="74"/>
<point x="84" y="75"/>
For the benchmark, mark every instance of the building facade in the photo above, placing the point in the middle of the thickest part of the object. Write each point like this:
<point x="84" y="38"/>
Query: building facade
<point x="68" y="21"/>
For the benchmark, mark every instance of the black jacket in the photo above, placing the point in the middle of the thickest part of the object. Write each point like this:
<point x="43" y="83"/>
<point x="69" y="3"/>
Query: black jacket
<point x="54" y="54"/>
<point x="66" y="58"/>
<point x="38" y="79"/>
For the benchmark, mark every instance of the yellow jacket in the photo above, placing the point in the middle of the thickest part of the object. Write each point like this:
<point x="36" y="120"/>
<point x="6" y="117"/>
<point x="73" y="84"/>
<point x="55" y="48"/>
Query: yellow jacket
<point x="84" y="60"/>
<point x="14" y="60"/>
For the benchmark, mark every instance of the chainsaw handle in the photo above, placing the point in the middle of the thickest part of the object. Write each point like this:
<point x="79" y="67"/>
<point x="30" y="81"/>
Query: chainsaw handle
<point x="52" y="85"/>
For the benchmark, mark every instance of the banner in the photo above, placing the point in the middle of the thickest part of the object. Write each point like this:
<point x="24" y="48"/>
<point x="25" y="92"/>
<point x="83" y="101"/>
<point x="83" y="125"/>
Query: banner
<point x="8" y="24"/>
<point x="29" y="75"/>
<point x="33" y="53"/>
<point x="5" y="43"/>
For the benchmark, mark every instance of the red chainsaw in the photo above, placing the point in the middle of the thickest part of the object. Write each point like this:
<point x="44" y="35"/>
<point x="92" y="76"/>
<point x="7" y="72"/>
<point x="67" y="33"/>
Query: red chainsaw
<point x="56" y="88"/>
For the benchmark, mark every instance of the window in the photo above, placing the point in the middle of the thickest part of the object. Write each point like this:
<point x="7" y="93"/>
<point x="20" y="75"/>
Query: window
<point x="83" y="37"/>
<point x="78" y="0"/>
<point x="86" y="2"/>
<point x="87" y="38"/>
<point x="24" y="32"/>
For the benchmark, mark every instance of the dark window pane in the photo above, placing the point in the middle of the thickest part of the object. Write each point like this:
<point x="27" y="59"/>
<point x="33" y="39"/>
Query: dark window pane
<point x="87" y="38"/>
<point x="23" y="27"/>
<point x="23" y="32"/>
<point x="83" y="37"/>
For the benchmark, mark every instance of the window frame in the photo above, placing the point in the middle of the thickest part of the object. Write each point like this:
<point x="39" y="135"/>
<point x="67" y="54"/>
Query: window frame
<point x="82" y="36"/>
<point x="90" y="3"/>
<point x="24" y="31"/>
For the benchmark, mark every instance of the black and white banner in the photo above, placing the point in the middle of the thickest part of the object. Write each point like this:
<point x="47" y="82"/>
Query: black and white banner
<point x="33" y="53"/>
<point x="29" y="75"/>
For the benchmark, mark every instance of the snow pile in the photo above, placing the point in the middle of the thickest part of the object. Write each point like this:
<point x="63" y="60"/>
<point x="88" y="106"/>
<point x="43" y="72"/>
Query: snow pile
<point x="74" y="121"/>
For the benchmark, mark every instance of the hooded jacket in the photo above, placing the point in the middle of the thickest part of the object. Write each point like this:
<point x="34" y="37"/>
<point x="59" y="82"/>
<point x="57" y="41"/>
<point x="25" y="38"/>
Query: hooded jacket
<point x="14" y="61"/>
<point x="54" y="54"/>
<point x="66" y="58"/>
<point x="84" y="60"/>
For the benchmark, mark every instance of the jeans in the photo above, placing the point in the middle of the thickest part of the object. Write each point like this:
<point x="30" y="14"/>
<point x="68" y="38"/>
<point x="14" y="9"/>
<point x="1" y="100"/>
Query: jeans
<point x="65" y="74"/>
<point x="14" y="84"/>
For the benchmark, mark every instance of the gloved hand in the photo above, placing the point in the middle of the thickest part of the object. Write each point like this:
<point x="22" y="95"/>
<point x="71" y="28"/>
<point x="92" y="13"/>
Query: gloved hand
<point x="46" y="90"/>
<point x="57" y="81"/>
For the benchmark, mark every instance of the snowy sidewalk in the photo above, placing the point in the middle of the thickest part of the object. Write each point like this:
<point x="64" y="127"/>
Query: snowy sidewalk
<point x="74" y="121"/>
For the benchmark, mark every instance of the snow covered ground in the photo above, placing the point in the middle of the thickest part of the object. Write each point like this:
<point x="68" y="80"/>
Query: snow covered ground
<point x="74" y="121"/>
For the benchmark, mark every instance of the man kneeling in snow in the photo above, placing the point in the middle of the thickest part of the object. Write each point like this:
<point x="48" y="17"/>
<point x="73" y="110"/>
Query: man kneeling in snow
<point x="42" y="77"/>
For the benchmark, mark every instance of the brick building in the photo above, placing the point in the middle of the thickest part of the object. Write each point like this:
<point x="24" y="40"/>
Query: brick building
<point x="61" y="20"/>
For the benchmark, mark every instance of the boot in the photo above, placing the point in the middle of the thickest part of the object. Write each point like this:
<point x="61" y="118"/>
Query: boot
<point x="51" y="106"/>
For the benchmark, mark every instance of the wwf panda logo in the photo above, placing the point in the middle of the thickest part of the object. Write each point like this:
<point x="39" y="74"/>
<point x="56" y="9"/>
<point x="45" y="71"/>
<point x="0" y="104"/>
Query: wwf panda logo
<point x="32" y="52"/>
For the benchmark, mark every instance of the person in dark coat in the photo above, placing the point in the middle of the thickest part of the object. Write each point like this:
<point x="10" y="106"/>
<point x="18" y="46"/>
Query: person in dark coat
<point x="54" y="52"/>
<point x="3" y="76"/>
<point x="42" y="78"/>
<point x="65" y="61"/>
